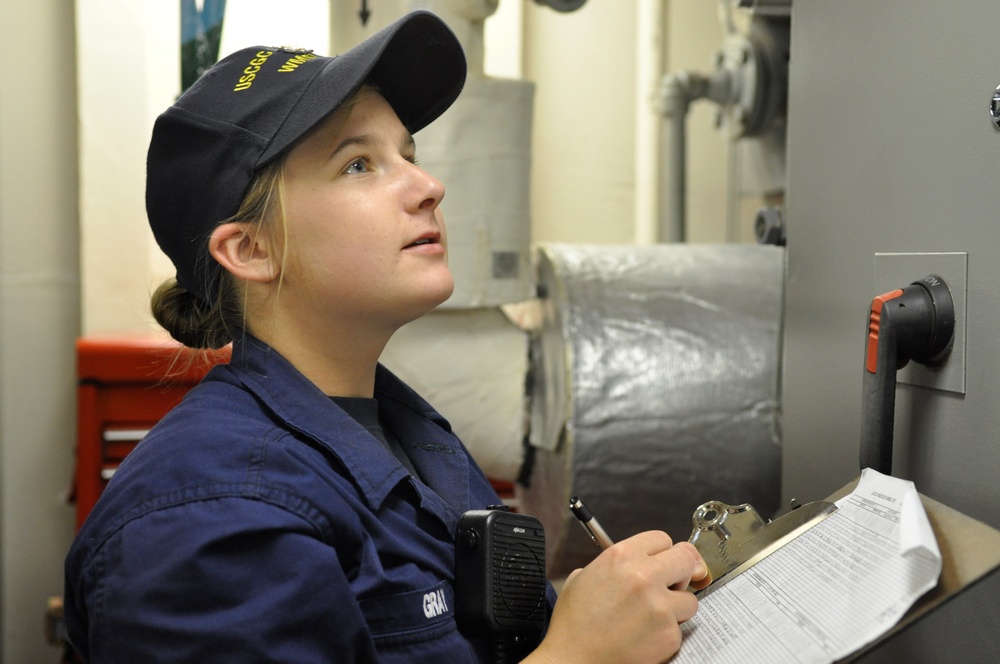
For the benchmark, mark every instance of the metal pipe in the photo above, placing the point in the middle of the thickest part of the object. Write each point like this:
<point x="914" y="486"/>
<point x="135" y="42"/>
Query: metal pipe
<point x="674" y="103"/>
<point x="677" y="91"/>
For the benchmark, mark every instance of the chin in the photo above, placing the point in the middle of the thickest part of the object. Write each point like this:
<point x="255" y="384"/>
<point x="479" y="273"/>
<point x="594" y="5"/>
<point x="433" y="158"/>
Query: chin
<point x="440" y="286"/>
<point x="443" y="293"/>
<point x="429" y="299"/>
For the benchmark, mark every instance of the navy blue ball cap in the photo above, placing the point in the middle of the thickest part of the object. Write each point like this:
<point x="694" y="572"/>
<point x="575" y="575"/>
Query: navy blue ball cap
<point x="255" y="104"/>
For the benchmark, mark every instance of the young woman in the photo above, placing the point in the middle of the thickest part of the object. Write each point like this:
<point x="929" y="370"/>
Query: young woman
<point x="301" y="504"/>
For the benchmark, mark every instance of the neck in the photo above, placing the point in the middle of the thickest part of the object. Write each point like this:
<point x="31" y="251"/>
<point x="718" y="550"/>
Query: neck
<point x="343" y="365"/>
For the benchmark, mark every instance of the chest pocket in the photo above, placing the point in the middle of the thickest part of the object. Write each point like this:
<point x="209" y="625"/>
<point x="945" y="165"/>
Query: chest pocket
<point x="412" y="617"/>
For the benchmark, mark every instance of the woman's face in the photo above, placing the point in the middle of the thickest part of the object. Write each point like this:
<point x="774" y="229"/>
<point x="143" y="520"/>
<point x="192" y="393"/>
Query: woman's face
<point x="366" y="237"/>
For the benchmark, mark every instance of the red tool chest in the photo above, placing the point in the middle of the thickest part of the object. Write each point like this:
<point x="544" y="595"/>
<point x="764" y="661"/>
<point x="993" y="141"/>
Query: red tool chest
<point x="125" y="385"/>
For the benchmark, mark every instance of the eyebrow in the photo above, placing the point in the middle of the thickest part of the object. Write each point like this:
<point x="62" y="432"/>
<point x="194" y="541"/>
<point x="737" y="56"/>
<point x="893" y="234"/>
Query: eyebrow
<point x="367" y="140"/>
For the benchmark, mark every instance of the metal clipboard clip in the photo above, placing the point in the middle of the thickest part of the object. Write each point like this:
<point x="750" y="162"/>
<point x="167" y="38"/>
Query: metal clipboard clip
<point x="733" y="538"/>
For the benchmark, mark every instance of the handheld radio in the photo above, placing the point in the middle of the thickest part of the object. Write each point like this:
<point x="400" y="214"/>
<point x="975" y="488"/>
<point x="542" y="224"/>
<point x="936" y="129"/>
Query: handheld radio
<point x="500" y="580"/>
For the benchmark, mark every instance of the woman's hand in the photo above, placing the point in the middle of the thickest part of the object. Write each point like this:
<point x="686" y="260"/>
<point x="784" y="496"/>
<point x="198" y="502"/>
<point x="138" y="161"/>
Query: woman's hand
<point x="626" y="606"/>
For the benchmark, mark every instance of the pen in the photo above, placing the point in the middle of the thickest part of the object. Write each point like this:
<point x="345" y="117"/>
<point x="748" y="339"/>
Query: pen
<point x="589" y="523"/>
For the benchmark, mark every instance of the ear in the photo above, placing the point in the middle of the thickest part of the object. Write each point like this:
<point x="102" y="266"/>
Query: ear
<point x="244" y="251"/>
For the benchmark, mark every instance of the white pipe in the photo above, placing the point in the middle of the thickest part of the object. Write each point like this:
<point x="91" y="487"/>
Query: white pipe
<point x="649" y="55"/>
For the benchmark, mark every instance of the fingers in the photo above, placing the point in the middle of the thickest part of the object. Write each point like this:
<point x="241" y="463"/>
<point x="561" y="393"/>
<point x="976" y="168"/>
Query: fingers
<point x="679" y="565"/>
<point x="700" y="575"/>
<point x="690" y="570"/>
<point x="700" y="572"/>
<point x="637" y="591"/>
<point x="702" y="578"/>
<point x="650" y="542"/>
<point x="684" y="605"/>
<point x="682" y="563"/>
<point x="657" y="564"/>
<point x="669" y="571"/>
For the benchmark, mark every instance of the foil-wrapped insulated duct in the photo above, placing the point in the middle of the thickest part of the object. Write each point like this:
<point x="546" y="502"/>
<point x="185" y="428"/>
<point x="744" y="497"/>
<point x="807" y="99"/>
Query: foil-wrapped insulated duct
<point x="655" y="388"/>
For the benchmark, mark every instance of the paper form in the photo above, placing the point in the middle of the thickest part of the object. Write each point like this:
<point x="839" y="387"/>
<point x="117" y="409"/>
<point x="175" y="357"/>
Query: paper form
<point x="827" y="593"/>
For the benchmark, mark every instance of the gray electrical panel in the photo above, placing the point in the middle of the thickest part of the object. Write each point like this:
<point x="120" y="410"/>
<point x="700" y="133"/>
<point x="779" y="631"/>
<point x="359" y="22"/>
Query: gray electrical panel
<point x="892" y="150"/>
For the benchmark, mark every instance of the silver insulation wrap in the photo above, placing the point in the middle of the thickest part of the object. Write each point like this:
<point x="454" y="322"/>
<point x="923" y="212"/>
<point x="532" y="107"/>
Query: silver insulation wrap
<point x="655" y="388"/>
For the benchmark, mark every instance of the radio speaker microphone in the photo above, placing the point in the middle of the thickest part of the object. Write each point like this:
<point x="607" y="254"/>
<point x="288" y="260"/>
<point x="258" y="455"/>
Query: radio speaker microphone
<point x="500" y="577"/>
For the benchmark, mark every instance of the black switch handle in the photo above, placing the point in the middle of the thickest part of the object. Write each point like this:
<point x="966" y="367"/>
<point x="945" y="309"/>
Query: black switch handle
<point x="913" y="323"/>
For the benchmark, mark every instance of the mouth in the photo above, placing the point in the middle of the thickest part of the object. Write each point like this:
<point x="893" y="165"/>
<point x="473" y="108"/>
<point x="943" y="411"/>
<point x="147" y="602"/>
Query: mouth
<point x="429" y="238"/>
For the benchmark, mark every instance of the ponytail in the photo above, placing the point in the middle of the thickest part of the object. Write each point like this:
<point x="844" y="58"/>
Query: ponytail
<point x="192" y="322"/>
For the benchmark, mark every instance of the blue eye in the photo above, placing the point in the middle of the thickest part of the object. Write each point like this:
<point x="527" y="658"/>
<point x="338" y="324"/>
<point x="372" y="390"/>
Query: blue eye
<point x="359" y="165"/>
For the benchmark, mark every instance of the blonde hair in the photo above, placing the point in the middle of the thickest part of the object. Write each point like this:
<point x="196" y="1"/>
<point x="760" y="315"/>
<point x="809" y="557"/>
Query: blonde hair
<point x="201" y="325"/>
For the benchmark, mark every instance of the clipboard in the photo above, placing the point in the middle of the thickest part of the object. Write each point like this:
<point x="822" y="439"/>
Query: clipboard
<point x="734" y="538"/>
<point x="970" y="560"/>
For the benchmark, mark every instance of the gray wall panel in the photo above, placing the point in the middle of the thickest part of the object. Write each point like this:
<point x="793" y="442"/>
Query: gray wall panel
<point x="890" y="149"/>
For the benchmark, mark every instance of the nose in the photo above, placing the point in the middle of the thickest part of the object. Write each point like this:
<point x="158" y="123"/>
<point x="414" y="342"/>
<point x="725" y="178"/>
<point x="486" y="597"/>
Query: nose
<point x="427" y="188"/>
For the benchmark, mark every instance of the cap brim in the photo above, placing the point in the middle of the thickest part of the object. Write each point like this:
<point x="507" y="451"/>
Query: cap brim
<point x="417" y="64"/>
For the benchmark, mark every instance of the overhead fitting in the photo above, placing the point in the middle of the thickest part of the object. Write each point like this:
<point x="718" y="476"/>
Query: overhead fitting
<point x="749" y="84"/>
